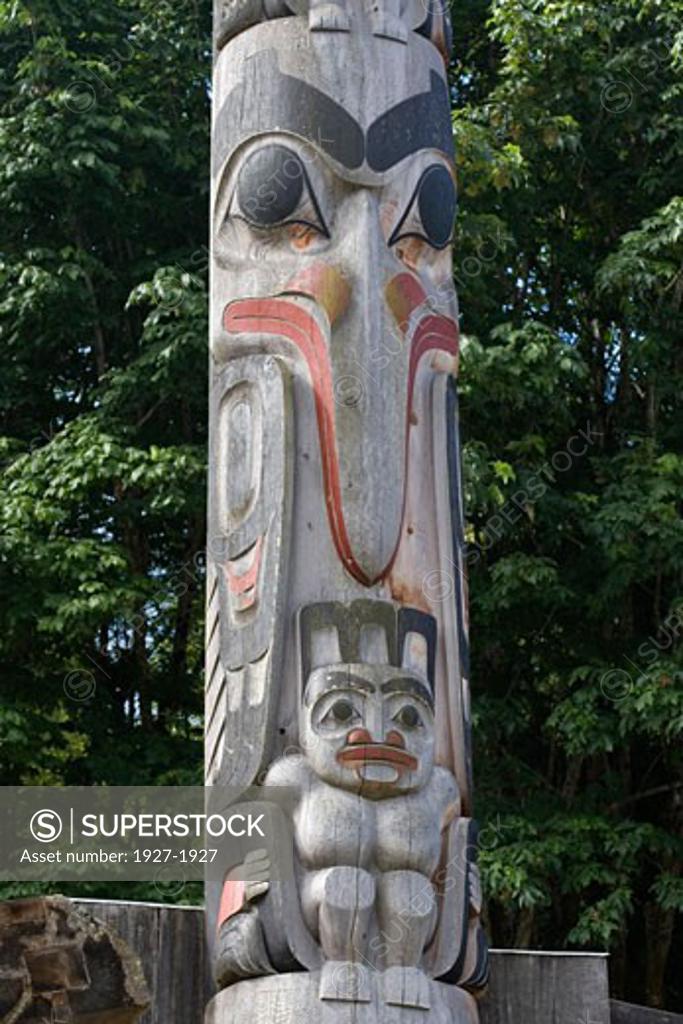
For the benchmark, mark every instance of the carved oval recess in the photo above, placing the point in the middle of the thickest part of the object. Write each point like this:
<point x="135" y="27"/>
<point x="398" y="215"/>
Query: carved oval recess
<point x="240" y="454"/>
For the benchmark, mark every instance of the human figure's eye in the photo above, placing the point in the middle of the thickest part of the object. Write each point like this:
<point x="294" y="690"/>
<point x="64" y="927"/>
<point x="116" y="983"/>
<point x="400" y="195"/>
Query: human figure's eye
<point x="342" y="712"/>
<point x="409" y="717"/>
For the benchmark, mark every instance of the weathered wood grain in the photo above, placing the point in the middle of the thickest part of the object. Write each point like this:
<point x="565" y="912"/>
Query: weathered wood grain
<point x="337" y="652"/>
<point x="546" y="988"/>
<point x="525" y="988"/>
<point x="627" y="1013"/>
<point x="171" y="945"/>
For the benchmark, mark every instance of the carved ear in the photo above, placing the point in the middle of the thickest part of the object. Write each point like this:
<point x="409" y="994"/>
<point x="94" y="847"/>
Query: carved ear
<point x="324" y="647"/>
<point x="417" y="642"/>
<point x="365" y="631"/>
<point x="416" y="654"/>
<point x="319" y="640"/>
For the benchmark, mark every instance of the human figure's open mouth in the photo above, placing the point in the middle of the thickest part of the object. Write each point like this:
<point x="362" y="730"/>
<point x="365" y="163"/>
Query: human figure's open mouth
<point x="364" y="753"/>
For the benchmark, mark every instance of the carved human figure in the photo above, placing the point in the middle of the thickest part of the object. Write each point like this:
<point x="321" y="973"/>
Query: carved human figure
<point x="371" y="813"/>
<point x="375" y="819"/>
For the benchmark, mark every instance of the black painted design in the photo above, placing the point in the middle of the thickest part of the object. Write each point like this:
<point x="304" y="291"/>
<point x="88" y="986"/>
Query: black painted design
<point x="410" y="620"/>
<point x="458" y="525"/>
<point x="427" y="26"/>
<point x="436" y="203"/>
<point x="273" y="188"/>
<point x="349" y="619"/>
<point x="476" y="980"/>
<point x="420" y="122"/>
<point x="270" y="185"/>
<point x="431" y="210"/>
<point x="288" y="104"/>
<point x="269" y="101"/>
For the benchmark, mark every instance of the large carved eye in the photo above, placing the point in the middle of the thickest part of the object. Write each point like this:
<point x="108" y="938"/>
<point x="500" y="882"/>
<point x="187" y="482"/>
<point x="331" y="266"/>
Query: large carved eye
<point x="273" y="189"/>
<point x="409" y="717"/>
<point x="342" y="712"/>
<point x="431" y="210"/>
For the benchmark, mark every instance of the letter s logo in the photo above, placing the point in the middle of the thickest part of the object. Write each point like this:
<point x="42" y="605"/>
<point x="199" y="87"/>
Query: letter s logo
<point x="46" y="826"/>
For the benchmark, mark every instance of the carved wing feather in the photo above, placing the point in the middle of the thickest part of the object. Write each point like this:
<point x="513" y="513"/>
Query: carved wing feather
<point x="248" y="518"/>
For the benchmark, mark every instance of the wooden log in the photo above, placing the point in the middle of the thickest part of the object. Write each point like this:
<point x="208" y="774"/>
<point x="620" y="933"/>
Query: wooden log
<point x="170" y="942"/>
<point x="60" y="964"/>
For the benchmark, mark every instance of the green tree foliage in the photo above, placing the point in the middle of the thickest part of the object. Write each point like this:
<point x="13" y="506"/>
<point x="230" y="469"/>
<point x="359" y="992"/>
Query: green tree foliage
<point x="568" y="259"/>
<point x="103" y="187"/>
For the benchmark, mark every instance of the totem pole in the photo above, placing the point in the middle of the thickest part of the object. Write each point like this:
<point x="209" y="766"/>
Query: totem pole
<point x="337" y="621"/>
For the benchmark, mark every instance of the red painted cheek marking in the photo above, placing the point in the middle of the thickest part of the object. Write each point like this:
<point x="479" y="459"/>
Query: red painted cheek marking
<point x="358" y="736"/>
<point x="395" y="739"/>
<point x="433" y="332"/>
<point x="405" y="295"/>
<point x="325" y="285"/>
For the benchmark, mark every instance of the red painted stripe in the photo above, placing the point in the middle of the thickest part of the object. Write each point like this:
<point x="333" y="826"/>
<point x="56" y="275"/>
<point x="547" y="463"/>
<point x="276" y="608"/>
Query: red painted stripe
<point x="286" y="318"/>
<point x="238" y="584"/>
<point x="232" y="901"/>
<point x="432" y="332"/>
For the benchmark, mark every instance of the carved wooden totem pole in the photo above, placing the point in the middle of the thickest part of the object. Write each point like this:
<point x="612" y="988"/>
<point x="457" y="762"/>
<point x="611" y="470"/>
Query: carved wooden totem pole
<point x="337" y="633"/>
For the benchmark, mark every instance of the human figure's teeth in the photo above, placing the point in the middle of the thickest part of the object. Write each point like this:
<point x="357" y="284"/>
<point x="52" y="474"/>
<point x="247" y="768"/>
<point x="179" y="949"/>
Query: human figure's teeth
<point x="378" y="773"/>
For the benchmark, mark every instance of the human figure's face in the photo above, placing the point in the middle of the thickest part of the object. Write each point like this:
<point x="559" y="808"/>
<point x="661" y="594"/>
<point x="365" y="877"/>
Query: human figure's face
<point x="368" y="728"/>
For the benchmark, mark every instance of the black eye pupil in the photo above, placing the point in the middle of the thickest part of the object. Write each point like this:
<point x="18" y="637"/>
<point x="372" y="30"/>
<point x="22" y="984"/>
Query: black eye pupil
<point x="410" y="717"/>
<point x="436" y="204"/>
<point x="342" y="711"/>
<point x="270" y="185"/>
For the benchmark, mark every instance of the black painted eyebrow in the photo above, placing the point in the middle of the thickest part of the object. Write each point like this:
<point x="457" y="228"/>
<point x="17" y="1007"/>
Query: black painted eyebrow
<point x="346" y="680"/>
<point x="342" y="681"/>
<point x="420" y="122"/>
<point x="405" y="684"/>
<point x="291" y="105"/>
